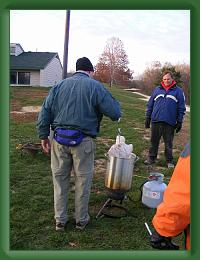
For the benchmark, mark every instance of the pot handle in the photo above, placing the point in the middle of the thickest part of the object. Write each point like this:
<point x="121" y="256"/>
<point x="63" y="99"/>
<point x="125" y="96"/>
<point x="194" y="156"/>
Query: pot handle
<point x="136" y="159"/>
<point x="107" y="156"/>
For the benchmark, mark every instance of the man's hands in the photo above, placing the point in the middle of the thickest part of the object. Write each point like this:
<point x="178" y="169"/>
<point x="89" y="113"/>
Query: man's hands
<point x="162" y="243"/>
<point x="178" y="126"/>
<point x="147" y="122"/>
<point x="46" y="145"/>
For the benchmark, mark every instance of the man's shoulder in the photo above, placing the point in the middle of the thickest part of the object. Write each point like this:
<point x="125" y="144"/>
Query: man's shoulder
<point x="157" y="88"/>
<point x="96" y="81"/>
<point x="178" y="87"/>
<point x="98" y="84"/>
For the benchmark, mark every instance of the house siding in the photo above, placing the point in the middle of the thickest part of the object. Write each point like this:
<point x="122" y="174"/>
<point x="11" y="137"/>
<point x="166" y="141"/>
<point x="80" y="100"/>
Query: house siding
<point x="52" y="73"/>
<point x="18" y="49"/>
<point x="35" y="78"/>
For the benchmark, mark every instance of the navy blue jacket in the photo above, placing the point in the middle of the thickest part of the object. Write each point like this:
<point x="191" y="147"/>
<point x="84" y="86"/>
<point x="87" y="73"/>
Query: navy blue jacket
<point x="78" y="101"/>
<point x="166" y="106"/>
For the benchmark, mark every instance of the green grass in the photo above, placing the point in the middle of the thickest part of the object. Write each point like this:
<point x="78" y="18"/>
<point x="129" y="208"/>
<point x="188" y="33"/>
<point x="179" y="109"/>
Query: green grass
<point x="31" y="190"/>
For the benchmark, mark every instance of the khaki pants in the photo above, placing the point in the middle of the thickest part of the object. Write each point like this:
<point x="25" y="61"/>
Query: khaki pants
<point x="81" y="158"/>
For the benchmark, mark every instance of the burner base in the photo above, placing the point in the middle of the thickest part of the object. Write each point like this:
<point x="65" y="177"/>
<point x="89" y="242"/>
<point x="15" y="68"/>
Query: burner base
<point x="105" y="211"/>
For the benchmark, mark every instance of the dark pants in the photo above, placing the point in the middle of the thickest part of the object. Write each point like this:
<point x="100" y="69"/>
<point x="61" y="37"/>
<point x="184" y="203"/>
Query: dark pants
<point x="166" y="131"/>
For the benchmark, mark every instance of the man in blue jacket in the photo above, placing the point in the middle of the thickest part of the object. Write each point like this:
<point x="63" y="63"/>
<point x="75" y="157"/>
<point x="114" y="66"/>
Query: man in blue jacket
<point x="165" y="110"/>
<point x="74" y="109"/>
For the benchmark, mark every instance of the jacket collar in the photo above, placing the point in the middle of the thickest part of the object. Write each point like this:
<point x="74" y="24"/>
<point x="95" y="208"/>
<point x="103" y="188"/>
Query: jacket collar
<point x="81" y="72"/>
<point x="168" y="87"/>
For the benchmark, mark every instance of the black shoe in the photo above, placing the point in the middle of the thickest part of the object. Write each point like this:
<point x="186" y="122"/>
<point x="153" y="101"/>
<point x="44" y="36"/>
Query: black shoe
<point x="149" y="162"/>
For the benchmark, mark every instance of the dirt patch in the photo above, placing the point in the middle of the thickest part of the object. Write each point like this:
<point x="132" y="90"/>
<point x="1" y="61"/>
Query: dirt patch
<point x="15" y="105"/>
<point x="24" y="114"/>
<point x="22" y="117"/>
<point x="29" y="109"/>
<point x="100" y="166"/>
<point x="18" y="97"/>
<point x="106" y="141"/>
<point x="146" y="137"/>
<point x="29" y="94"/>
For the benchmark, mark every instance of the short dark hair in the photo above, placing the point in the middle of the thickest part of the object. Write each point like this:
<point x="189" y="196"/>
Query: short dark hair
<point x="167" y="72"/>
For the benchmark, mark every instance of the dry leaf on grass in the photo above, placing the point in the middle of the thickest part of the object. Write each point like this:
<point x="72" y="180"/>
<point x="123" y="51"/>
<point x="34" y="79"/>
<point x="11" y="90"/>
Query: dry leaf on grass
<point x="72" y="244"/>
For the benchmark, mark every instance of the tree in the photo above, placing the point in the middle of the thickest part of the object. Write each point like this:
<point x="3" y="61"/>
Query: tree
<point x="152" y="77"/>
<point x="184" y="70"/>
<point x="112" y="66"/>
<point x="169" y="67"/>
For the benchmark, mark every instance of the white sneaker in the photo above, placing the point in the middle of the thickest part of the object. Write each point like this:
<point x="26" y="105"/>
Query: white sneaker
<point x="170" y="165"/>
<point x="81" y="226"/>
<point x="60" y="226"/>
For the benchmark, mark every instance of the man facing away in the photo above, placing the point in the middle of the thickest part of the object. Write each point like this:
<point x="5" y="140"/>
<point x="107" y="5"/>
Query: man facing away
<point x="74" y="109"/>
<point x="165" y="110"/>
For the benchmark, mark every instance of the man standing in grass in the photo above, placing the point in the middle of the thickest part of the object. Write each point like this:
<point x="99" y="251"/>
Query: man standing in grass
<point x="165" y="110"/>
<point x="74" y="109"/>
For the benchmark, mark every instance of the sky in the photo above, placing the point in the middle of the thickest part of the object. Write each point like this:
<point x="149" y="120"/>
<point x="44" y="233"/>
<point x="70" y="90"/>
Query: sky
<point x="147" y="35"/>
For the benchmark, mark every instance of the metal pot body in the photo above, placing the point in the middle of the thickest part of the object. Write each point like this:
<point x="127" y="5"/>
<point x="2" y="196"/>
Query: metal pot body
<point x="119" y="172"/>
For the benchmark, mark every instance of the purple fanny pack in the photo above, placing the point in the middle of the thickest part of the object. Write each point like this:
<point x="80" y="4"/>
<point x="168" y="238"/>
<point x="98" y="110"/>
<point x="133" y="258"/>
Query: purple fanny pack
<point x="69" y="137"/>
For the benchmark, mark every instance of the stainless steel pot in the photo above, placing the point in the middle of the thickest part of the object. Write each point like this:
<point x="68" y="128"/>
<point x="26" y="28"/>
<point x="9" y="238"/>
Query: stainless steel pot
<point x="119" y="172"/>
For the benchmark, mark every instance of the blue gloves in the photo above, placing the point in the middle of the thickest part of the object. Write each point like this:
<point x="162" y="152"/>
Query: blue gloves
<point x="147" y="122"/>
<point x="178" y="126"/>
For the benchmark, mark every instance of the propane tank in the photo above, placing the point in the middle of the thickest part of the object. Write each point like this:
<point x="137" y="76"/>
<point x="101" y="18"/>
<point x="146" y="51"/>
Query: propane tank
<point x="153" y="190"/>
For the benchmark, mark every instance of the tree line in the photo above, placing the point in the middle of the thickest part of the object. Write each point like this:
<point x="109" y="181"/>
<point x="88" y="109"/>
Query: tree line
<point x="112" y="68"/>
<point x="151" y="77"/>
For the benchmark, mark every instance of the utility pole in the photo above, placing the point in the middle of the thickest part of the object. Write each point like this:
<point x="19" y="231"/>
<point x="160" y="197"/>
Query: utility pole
<point x="66" y="41"/>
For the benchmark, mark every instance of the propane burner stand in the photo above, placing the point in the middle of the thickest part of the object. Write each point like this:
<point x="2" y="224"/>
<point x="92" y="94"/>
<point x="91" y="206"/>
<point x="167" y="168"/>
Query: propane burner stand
<point x="105" y="210"/>
<point x="108" y="204"/>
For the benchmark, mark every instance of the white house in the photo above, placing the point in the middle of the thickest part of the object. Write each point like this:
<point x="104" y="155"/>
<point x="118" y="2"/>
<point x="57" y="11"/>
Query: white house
<point x="34" y="68"/>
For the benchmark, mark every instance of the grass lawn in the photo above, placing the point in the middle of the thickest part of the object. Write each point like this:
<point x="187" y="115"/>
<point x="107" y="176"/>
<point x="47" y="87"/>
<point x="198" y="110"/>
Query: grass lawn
<point x="31" y="190"/>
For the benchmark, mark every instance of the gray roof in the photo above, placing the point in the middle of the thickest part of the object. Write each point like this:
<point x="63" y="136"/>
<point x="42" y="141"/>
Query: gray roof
<point x="32" y="60"/>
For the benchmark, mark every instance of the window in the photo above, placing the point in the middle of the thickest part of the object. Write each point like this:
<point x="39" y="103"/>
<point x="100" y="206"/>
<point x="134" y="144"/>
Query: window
<point x="20" y="78"/>
<point x="13" y="77"/>
<point x="24" y="78"/>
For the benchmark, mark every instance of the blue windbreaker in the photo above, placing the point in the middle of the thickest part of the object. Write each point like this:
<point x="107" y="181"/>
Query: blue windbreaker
<point x="77" y="101"/>
<point x="166" y="106"/>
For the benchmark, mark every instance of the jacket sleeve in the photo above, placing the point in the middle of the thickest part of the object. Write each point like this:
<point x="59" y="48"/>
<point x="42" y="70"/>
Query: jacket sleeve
<point x="181" y="106"/>
<point x="150" y="104"/>
<point x="108" y="105"/>
<point x="173" y="214"/>
<point x="45" y="116"/>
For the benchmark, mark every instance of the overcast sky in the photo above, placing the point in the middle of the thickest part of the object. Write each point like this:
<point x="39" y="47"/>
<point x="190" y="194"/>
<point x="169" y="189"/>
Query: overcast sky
<point x="148" y="35"/>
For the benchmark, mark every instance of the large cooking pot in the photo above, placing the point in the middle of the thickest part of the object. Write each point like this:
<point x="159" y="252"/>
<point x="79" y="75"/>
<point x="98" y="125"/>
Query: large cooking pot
<point x="119" y="172"/>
